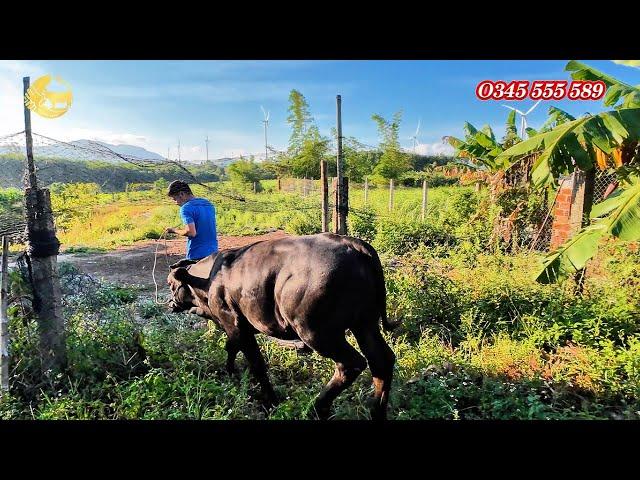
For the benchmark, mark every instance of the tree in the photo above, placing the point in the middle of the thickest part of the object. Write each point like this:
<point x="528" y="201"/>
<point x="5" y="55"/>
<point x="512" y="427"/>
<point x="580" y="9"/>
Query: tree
<point x="306" y="146"/>
<point x="612" y="138"/>
<point x="244" y="172"/>
<point x="393" y="162"/>
<point x="481" y="148"/>
<point x="280" y="167"/>
<point x="358" y="161"/>
<point x="307" y="162"/>
<point x="428" y="162"/>
<point x="300" y="120"/>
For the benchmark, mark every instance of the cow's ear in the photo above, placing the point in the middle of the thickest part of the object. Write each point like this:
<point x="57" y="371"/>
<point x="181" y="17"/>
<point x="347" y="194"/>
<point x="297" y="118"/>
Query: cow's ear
<point x="182" y="263"/>
<point x="182" y="275"/>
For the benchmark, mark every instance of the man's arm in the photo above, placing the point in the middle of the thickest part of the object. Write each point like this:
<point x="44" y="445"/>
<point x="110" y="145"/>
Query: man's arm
<point x="188" y="231"/>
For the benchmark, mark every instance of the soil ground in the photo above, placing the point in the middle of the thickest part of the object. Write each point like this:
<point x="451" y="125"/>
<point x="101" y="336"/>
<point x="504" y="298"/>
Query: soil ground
<point x="134" y="264"/>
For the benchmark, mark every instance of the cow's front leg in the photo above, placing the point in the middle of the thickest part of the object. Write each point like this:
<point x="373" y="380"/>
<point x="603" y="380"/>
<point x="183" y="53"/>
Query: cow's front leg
<point x="258" y="368"/>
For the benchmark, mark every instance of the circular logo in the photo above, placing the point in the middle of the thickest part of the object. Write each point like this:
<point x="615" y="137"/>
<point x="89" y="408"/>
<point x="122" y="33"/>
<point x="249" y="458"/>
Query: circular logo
<point x="45" y="101"/>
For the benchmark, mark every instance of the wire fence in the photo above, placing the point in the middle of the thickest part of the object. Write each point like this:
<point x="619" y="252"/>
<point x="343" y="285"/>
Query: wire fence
<point x="94" y="162"/>
<point x="604" y="183"/>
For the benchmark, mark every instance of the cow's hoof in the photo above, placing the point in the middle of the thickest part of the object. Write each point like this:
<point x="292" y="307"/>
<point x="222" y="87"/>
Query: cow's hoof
<point x="378" y="415"/>
<point x="269" y="399"/>
<point x="270" y="403"/>
<point x="319" y="412"/>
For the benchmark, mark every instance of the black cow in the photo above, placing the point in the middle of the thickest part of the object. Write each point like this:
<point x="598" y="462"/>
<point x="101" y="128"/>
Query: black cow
<point x="309" y="288"/>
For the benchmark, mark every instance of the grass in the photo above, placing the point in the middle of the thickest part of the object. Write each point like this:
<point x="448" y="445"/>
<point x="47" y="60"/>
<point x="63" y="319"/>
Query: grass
<point x="479" y="339"/>
<point x="97" y="220"/>
<point x="181" y="375"/>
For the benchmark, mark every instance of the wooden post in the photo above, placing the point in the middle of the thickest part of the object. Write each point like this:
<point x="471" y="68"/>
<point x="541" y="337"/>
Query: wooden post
<point x="279" y="185"/>
<point x="30" y="174"/>
<point x="254" y="187"/>
<point x="43" y="266"/>
<point x="325" y="195"/>
<point x="424" y="197"/>
<point x="391" y="195"/>
<point x="366" y="190"/>
<point x="344" y="205"/>
<point x="334" y="186"/>
<point x="341" y="191"/>
<point x="4" y="318"/>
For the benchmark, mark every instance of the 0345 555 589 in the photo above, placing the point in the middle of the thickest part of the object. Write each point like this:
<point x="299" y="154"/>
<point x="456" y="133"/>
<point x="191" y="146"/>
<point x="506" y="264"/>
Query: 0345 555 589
<point x="541" y="90"/>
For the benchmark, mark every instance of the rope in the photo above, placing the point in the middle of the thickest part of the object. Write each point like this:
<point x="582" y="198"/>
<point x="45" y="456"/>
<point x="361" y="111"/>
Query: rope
<point x="155" y="261"/>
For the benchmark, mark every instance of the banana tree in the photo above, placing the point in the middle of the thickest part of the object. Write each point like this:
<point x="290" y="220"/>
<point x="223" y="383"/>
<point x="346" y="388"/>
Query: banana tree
<point x="480" y="147"/>
<point x="585" y="143"/>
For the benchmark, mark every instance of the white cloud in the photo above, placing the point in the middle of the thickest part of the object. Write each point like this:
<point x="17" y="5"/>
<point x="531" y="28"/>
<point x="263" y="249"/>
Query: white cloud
<point x="628" y="63"/>
<point x="11" y="106"/>
<point x="217" y="91"/>
<point x="107" y="136"/>
<point x="21" y="68"/>
<point x="11" y="93"/>
<point x="234" y="152"/>
<point x="437" y="148"/>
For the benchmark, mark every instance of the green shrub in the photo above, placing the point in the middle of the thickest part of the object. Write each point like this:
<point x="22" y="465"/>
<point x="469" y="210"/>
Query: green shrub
<point x="434" y="179"/>
<point x="363" y="224"/>
<point x="9" y="197"/>
<point x="400" y="237"/>
<point x="423" y="298"/>
<point x="305" y="223"/>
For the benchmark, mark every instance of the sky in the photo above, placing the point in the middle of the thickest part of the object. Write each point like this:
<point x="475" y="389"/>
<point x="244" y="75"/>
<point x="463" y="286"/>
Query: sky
<point x="155" y="104"/>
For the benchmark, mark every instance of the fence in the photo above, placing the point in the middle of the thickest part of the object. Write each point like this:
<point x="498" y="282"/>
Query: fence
<point x="303" y="186"/>
<point x="602" y="182"/>
<point x="47" y="151"/>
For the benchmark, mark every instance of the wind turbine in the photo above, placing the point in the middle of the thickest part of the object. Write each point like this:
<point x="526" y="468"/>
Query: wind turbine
<point x="266" y="123"/>
<point x="523" y="123"/>
<point x="415" y="137"/>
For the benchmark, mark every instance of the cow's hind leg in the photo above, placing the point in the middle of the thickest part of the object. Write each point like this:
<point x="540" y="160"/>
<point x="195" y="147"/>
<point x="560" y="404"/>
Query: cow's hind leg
<point x="232" y="347"/>
<point x="349" y="364"/>
<point x="381" y="360"/>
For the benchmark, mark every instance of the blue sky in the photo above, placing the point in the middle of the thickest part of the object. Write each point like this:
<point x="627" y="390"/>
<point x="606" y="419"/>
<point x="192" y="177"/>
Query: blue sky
<point x="154" y="103"/>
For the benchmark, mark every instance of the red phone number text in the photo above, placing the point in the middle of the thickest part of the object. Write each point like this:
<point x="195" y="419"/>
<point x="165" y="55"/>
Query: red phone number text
<point x="541" y="90"/>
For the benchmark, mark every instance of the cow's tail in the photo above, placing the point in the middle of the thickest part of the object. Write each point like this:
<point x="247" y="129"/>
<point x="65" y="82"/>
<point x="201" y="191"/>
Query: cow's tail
<point x="381" y="288"/>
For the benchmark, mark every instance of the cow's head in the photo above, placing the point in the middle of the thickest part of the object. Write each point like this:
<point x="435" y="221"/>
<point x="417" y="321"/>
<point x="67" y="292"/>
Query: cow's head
<point x="178" y="280"/>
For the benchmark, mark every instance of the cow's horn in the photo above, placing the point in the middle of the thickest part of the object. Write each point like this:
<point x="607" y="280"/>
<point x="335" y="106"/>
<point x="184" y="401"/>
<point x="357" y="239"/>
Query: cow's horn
<point x="182" y="263"/>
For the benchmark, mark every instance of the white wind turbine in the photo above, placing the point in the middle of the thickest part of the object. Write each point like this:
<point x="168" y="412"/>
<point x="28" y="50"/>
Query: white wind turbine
<point x="414" y="137"/>
<point x="266" y="123"/>
<point x="523" y="117"/>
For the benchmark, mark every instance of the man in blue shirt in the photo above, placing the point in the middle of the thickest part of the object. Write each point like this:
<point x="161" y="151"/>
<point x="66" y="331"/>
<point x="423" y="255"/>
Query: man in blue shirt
<point x="199" y="218"/>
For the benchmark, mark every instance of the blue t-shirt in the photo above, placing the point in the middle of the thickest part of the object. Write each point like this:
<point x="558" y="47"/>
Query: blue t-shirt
<point x="202" y="213"/>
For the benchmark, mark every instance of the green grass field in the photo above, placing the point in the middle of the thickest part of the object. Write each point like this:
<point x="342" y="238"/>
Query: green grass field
<point x="479" y="339"/>
<point x="89" y="219"/>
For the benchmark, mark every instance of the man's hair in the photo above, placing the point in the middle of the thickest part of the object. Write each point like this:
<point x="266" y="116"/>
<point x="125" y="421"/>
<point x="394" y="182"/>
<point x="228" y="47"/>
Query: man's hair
<point x="178" y="186"/>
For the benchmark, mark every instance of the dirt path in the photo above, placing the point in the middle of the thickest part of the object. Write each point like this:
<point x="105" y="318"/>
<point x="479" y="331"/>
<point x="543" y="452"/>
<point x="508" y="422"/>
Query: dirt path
<point x="134" y="264"/>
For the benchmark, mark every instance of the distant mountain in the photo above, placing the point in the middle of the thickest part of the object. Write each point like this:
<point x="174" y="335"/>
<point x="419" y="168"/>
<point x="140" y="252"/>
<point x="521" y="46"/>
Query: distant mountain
<point x="122" y="149"/>
<point x="223" y="162"/>
<point x="62" y="150"/>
